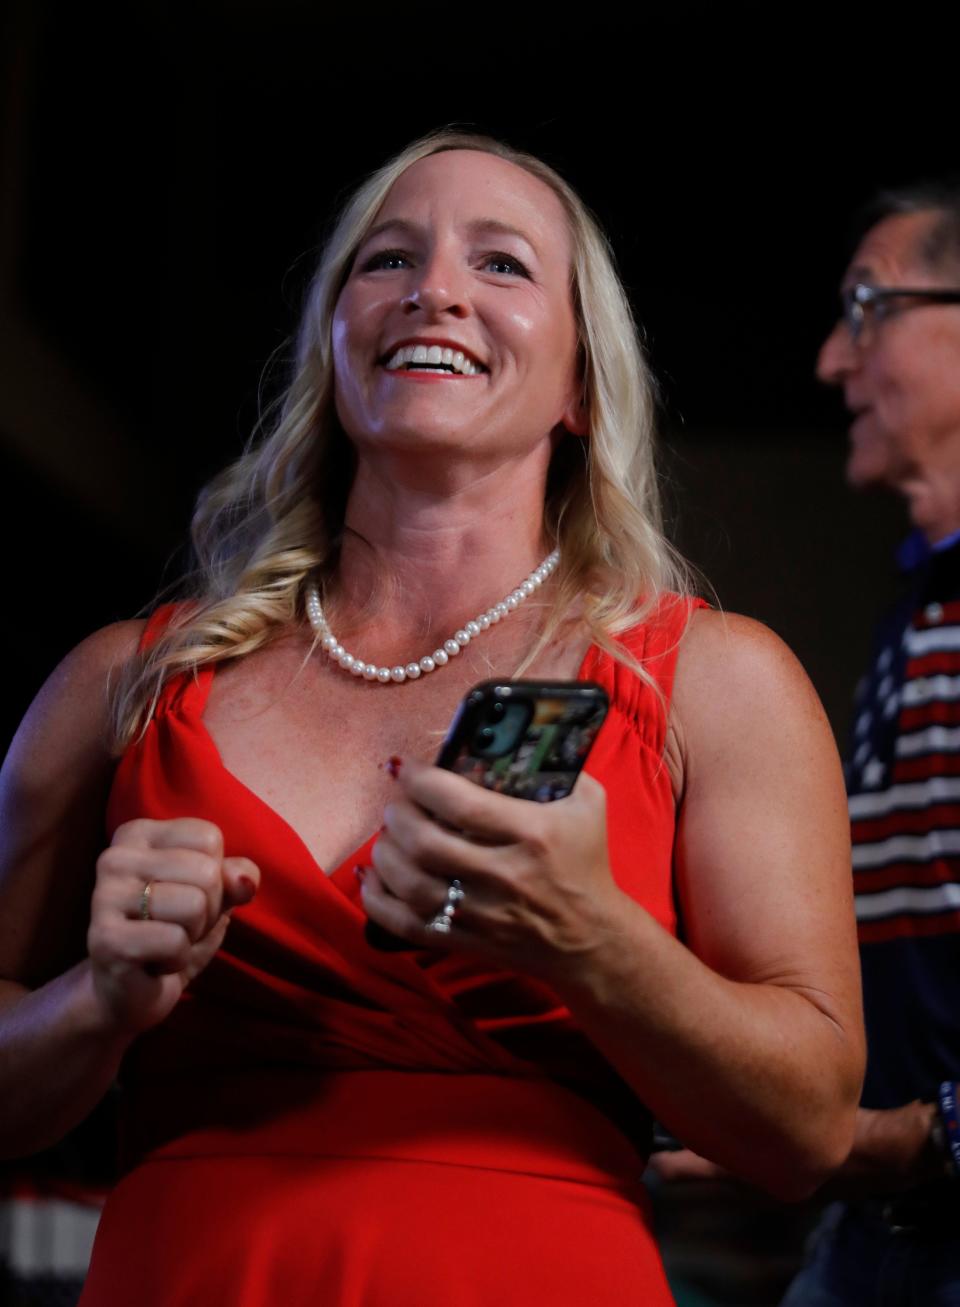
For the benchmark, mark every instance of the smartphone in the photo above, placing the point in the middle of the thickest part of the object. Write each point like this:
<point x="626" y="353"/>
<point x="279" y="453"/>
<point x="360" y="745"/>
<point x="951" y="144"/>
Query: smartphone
<point x="527" y="739"/>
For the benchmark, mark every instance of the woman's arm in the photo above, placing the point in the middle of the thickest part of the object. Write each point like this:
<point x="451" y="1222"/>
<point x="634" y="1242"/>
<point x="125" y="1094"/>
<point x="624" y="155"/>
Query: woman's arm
<point x="57" y="1056"/>
<point x="893" y="1151"/>
<point x="746" y="1041"/>
<point x="66" y="1015"/>
<point x="757" y="1032"/>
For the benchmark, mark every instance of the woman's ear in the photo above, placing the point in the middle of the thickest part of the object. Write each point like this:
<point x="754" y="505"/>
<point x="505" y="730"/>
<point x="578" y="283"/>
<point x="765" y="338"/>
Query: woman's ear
<point x="576" y="417"/>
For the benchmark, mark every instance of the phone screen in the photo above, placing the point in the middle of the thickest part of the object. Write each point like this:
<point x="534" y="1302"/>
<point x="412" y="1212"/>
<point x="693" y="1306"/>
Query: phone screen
<point x="526" y="739"/>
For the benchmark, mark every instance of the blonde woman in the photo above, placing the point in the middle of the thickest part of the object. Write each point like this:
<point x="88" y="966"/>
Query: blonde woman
<point x="460" y="484"/>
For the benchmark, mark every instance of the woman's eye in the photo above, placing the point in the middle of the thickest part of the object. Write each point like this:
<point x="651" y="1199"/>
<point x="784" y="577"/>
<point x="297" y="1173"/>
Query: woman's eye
<point x="388" y="260"/>
<point x="506" y="264"/>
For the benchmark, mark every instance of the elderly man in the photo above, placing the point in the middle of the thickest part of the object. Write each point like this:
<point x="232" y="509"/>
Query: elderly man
<point x="895" y="353"/>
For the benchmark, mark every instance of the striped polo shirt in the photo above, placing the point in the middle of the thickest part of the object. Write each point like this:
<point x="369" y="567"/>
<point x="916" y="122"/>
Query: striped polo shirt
<point x="903" y="782"/>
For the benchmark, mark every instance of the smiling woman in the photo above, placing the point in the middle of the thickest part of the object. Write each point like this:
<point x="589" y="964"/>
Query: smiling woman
<point x="499" y="290"/>
<point x="467" y="431"/>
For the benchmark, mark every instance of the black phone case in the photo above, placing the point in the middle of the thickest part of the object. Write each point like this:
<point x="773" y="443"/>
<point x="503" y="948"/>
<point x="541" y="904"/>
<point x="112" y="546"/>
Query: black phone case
<point x="542" y="763"/>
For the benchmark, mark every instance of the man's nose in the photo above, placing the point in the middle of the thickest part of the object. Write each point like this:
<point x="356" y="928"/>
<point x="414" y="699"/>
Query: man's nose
<point x="438" y="288"/>
<point x="838" y="356"/>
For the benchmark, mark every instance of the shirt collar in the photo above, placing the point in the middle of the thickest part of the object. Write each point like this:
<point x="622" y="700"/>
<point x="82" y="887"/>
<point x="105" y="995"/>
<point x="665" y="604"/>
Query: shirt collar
<point x="917" y="549"/>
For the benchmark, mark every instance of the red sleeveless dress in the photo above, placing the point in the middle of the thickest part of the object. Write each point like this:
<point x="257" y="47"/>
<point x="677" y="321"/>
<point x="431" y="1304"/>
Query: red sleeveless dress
<point x="320" y="1123"/>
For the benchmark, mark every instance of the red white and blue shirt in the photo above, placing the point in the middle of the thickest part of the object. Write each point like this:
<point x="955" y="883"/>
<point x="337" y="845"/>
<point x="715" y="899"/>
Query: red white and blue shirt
<point x="903" y="782"/>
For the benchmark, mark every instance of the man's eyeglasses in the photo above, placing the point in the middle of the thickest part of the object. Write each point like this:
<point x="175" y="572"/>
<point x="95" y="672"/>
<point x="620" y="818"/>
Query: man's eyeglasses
<point x="861" y="302"/>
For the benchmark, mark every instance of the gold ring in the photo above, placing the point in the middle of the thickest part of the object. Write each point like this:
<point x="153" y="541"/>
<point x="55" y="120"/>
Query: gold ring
<point x="146" y="894"/>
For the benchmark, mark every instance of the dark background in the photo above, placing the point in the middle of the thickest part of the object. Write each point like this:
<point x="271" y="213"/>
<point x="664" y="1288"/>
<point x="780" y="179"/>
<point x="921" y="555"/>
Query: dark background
<point x="167" y="171"/>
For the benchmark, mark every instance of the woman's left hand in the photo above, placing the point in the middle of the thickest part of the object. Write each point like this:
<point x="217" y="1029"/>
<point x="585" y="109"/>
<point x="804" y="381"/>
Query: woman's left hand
<point x="536" y="881"/>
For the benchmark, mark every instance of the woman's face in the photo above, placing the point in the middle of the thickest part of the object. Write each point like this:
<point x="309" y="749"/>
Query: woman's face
<point x="455" y="328"/>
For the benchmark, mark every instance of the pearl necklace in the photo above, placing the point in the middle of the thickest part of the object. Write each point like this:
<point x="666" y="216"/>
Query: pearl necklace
<point x="440" y="657"/>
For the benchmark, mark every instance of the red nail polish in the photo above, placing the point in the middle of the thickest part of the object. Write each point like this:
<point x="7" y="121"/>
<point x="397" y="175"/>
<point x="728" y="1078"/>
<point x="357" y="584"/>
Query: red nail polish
<point x="247" y="885"/>
<point x="393" y="765"/>
<point x="359" y="871"/>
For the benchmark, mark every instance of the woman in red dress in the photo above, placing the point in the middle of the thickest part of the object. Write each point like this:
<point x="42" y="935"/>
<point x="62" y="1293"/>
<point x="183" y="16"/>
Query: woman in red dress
<point x="459" y="484"/>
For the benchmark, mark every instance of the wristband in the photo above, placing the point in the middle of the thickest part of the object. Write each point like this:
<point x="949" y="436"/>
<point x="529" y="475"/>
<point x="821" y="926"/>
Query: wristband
<point x="946" y="1133"/>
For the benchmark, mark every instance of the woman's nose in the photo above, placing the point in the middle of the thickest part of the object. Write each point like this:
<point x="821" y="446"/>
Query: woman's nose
<point x="438" y="288"/>
<point x="838" y="356"/>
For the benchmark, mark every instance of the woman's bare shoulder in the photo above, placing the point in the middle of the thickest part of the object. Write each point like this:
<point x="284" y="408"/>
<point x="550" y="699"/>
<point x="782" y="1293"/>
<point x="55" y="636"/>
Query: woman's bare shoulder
<point x="737" y="680"/>
<point x="78" y="684"/>
<point x="103" y="651"/>
<point x="70" y="715"/>
<point x="727" y="654"/>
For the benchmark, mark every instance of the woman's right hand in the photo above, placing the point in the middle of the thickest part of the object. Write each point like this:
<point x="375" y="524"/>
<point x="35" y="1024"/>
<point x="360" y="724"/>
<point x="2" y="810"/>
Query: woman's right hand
<point x="147" y="944"/>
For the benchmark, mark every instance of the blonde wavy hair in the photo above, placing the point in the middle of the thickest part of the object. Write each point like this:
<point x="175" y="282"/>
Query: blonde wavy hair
<point x="274" y="518"/>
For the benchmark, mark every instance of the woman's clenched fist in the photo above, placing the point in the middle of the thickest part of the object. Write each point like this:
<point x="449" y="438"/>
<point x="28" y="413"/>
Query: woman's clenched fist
<point x="161" y="906"/>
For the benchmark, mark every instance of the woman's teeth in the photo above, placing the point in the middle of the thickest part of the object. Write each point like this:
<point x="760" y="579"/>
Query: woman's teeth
<point x="431" y="358"/>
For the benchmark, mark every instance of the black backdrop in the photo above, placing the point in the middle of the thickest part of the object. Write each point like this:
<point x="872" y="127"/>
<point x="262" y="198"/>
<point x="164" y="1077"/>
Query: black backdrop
<point x="167" y="172"/>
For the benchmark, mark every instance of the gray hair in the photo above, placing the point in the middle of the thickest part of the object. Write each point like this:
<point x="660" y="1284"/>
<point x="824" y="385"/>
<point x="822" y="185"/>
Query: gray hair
<point x="940" y="247"/>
